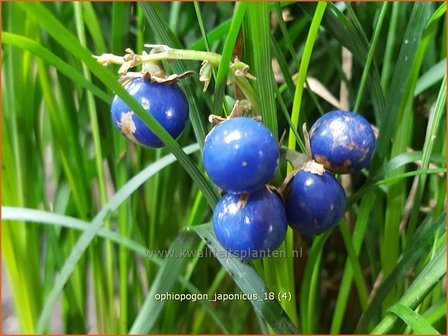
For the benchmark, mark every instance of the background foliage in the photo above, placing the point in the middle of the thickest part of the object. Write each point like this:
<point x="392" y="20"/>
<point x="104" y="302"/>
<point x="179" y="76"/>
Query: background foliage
<point x="82" y="207"/>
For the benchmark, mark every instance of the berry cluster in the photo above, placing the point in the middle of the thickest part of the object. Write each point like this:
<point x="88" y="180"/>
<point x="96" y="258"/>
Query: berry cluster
<point x="340" y="141"/>
<point x="241" y="156"/>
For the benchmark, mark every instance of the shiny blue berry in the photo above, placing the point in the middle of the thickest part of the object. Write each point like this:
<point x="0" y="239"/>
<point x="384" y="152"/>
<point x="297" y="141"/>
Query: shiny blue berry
<point x="250" y="226"/>
<point x="240" y="155"/>
<point x="165" y="102"/>
<point x="314" y="203"/>
<point x="342" y="141"/>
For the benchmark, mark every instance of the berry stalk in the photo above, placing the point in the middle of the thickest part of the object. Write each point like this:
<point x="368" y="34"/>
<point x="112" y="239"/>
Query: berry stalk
<point x="239" y="71"/>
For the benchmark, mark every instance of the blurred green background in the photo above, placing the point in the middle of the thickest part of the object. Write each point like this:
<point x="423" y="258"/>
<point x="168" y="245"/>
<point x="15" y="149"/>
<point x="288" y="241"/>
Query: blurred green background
<point x="83" y="210"/>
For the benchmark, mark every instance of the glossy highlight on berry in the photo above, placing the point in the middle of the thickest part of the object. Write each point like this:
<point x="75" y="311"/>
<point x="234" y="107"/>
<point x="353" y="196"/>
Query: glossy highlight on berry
<point x="165" y="102"/>
<point x="240" y="155"/>
<point x="251" y="225"/>
<point x="314" y="203"/>
<point x="342" y="141"/>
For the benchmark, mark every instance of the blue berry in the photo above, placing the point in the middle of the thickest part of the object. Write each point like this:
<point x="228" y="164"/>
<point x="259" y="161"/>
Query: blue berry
<point x="165" y="102"/>
<point x="250" y="227"/>
<point x="342" y="141"/>
<point x="314" y="203"/>
<point x="240" y="155"/>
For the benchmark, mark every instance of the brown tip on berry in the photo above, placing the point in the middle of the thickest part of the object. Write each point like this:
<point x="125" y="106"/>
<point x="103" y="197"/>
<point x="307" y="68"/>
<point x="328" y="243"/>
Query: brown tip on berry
<point x="127" y="126"/>
<point x="313" y="167"/>
<point x="344" y="168"/>
<point x="244" y="198"/>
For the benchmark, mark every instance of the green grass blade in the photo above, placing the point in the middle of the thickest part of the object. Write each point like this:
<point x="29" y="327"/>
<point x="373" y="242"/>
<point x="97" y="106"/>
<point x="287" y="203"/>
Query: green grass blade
<point x="361" y="286"/>
<point x="220" y="32"/>
<point x="390" y="43"/>
<point x="197" y="9"/>
<point x="120" y="26"/>
<point x="174" y="16"/>
<point x="65" y="68"/>
<point x="370" y="55"/>
<point x="422" y="240"/>
<point x="414" y="320"/>
<point x="44" y="217"/>
<point x="311" y="39"/>
<point x="419" y="172"/>
<point x="163" y="283"/>
<point x="337" y="24"/>
<point x="227" y="52"/>
<point x="436" y="312"/>
<point x="257" y="43"/>
<point x="282" y="25"/>
<point x="309" y="290"/>
<point x="431" y="134"/>
<point x="417" y="23"/>
<point x="95" y="225"/>
<point x="415" y="294"/>
<point x="431" y="77"/>
<point x="93" y="26"/>
<point x="249" y="282"/>
<point x="229" y="44"/>
<point x="393" y="164"/>
<point x="359" y="232"/>
<point x="107" y="272"/>
<point x="278" y="54"/>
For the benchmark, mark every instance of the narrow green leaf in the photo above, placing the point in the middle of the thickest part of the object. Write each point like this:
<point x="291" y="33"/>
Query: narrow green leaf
<point x="370" y="55"/>
<point x="258" y="45"/>
<point x="303" y="69"/>
<point x="361" y="286"/>
<point x="309" y="290"/>
<point x="417" y="22"/>
<point x="415" y="294"/>
<point x="229" y="44"/>
<point x="431" y="77"/>
<point x="220" y="32"/>
<point x="65" y="68"/>
<point x="422" y="239"/>
<point x="359" y="232"/>
<point x="227" y="52"/>
<point x="337" y="24"/>
<point x="432" y="134"/>
<point x="197" y="9"/>
<point x="163" y="283"/>
<point x="120" y="26"/>
<point x="44" y="217"/>
<point x="249" y="282"/>
<point x="390" y="44"/>
<point x="88" y="235"/>
<point x="395" y="163"/>
<point x="413" y="320"/>
<point x="93" y="26"/>
<point x="436" y="312"/>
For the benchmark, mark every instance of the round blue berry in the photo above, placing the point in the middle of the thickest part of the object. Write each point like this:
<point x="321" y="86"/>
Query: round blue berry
<point x="251" y="225"/>
<point x="314" y="203"/>
<point x="165" y="102"/>
<point x="240" y="155"/>
<point x="342" y="141"/>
